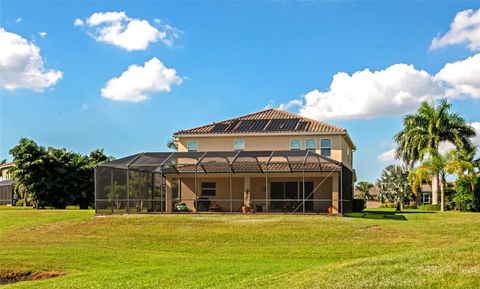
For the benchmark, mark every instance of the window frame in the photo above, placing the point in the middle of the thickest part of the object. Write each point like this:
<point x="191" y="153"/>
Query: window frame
<point x="192" y="141"/>
<point x="314" y="144"/>
<point x="214" y="189"/>
<point x="322" y="147"/>
<point x="299" y="144"/>
<point x="234" y="142"/>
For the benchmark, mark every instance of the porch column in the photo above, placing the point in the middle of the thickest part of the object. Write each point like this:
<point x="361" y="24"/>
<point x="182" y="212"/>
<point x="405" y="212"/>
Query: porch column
<point x="246" y="186"/>
<point x="168" y="196"/>
<point x="335" y="193"/>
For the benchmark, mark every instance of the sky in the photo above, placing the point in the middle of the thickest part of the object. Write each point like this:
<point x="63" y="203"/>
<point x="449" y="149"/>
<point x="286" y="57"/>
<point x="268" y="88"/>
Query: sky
<point x="124" y="76"/>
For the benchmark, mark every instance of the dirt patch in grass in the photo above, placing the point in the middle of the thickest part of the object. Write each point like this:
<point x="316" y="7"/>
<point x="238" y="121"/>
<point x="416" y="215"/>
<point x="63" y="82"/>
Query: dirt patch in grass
<point x="12" y="276"/>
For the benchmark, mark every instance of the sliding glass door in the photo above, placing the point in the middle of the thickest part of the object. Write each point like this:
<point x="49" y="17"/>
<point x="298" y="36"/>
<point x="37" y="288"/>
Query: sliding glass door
<point x="288" y="196"/>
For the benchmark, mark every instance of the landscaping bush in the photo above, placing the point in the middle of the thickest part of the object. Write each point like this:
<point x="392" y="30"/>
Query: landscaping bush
<point x="19" y="203"/>
<point x="430" y="207"/>
<point x="389" y="205"/>
<point x="464" y="198"/>
<point x="411" y="205"/>
<point x="358" y="205"/>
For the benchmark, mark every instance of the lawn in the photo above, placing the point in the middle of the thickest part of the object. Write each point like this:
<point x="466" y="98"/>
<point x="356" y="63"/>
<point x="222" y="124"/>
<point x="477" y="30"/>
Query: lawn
<point x="373" y="250"/>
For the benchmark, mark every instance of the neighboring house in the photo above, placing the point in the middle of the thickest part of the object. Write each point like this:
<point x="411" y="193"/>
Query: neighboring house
<point x="425" y="194"/>
<point x="373" y="199"/>
<point x="7" y="185"/>
<point x="274" y="161"/>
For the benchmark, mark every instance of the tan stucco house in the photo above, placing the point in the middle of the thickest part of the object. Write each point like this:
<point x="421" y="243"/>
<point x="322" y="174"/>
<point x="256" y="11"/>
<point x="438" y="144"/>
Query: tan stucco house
<point x="7" y="184"/>
<point x="269" y="161"/>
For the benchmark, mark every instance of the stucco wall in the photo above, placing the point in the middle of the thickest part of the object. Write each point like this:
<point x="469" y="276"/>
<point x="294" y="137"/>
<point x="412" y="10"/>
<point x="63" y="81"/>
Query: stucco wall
<point x="225" y="143"/>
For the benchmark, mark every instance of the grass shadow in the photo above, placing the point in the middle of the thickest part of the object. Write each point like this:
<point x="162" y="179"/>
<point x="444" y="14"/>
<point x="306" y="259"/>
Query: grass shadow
<point x="378" y="215"/>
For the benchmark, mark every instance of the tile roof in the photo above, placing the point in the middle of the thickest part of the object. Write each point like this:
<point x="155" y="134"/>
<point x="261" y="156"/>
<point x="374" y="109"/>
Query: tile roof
<point x="266" y="121"/>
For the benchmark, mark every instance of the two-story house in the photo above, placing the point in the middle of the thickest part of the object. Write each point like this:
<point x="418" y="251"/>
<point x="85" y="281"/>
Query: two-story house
<point x="272" y="161"/>
<point x="7" y="184"/>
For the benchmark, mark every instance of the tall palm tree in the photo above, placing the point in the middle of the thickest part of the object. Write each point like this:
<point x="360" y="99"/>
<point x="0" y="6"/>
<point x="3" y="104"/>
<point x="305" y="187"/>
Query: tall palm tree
<point x="423" y="132"/>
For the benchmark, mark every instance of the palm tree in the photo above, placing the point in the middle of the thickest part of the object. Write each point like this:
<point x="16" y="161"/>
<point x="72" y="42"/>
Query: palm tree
<point x="435" y="164"/>
<point x="463" y="163"/>
<point x="453" y="162"/>
<point x="423" y="132"/>
<point x="364" y="188"/>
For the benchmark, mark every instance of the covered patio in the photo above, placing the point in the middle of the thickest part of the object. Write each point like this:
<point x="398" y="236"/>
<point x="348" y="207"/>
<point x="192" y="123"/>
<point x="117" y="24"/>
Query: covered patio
<point x="223" y="181"/>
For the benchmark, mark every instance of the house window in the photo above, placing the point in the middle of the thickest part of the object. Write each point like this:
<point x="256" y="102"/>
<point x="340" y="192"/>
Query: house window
<point x="192" y="145"/>
<point x="425" y="198"/>
<point x="239" y="145"/>
<point x="209" y="189"/>
<point x="295" y="145"/>
<point x="326" y="147"/>
<point x="310" y="144"/>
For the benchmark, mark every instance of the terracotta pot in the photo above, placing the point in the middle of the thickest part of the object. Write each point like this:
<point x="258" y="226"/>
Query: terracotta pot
<point x="330" y="210"/>
<point x="252" y="210"/>
<point x="244" y="209"/>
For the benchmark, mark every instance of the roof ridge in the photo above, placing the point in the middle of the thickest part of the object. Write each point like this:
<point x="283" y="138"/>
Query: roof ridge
<point x="264" y="112"/>
<point x="307" y="118"/>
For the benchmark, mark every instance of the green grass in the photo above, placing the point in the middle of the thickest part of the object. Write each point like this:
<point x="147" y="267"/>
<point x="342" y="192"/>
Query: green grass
<point x="419" y="250"/>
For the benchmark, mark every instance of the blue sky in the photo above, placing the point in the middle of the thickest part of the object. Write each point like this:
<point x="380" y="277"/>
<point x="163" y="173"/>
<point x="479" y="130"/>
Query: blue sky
<point x="231" y="59"/>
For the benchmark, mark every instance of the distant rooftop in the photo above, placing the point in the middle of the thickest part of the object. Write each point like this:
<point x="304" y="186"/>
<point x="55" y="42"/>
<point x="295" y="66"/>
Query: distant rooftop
<point x="266" y="121"/>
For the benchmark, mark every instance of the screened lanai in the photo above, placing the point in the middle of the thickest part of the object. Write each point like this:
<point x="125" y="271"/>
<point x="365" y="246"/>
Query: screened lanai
<point x="223" y="181"/>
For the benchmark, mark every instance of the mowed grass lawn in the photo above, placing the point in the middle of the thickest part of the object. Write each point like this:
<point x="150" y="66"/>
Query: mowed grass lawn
<point x="425" y="250"/>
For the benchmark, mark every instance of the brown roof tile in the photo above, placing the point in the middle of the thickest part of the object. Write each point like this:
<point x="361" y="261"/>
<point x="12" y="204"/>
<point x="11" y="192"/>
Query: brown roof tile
<point x="266" y="121"/>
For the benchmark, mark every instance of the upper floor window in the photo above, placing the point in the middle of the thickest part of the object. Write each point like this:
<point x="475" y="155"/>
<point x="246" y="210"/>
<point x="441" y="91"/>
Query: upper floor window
<point x="8" y="176"/>
<point x="295" y="145"/>
<point x="310" y="144"/>
<point x="239" y="145"/>
<point x="192" y="145"/>
<point x="326" y="147"/>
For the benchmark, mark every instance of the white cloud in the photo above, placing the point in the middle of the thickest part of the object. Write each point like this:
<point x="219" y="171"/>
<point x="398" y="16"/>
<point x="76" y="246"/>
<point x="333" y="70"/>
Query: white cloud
<point x="21" y="65"/>
<point x="396" y="90"/>
<point x="42" y="34"/>
<point x="445" y="146"/>
<point x="129" y="33"/>
<point x="387" y="156"/>
<point x="462" y="76"/>
<point x="292" y="103"/>
<point x="78" y="22"/>
<point x="465" y="29"/>
<point x="137" y="81"/>
<point x="18" y="20"/>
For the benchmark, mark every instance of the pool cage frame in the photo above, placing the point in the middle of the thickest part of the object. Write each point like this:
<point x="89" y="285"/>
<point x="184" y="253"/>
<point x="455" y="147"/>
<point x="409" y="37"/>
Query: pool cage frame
<point x="156" y="165"/>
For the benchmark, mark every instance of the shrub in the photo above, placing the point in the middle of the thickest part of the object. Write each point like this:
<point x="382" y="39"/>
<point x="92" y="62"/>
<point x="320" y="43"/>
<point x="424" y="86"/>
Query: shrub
<point x="389" y="205"/>
<point x="411" y="205"/>
<point x="430" y="207"/>
<point x="464" y="198"/>
<point x="358" y="205"/>
<point x="19" y="203"/>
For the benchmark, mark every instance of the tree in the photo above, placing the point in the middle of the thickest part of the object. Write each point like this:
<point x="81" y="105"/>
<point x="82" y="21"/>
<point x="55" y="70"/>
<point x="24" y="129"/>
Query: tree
<point x="55" y="177"/>
<point x="454" y="161"/>
<point x="423" y="131"/>
<point x="393" y="185"/>
<point x="172" y="144"/>
<point x="364" y="188"/>
<point x="436" y="165"/>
